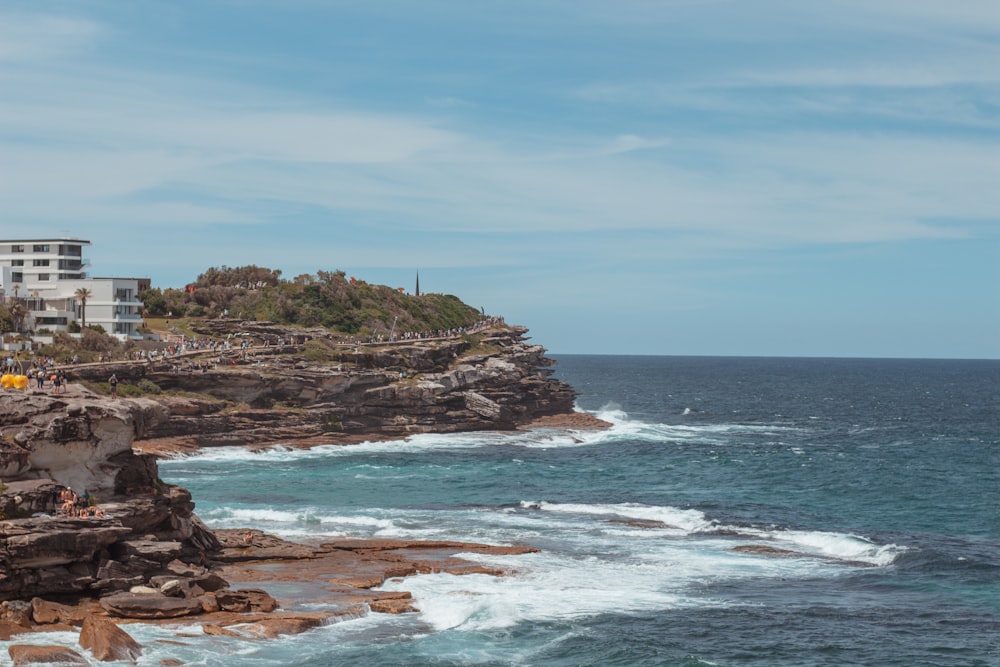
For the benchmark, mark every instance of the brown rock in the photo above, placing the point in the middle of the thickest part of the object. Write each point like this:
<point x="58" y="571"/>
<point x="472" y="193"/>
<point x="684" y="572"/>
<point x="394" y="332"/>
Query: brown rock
<point x="246" y="600"/>
<point x="44" y="611"/>
<point x="106" y="641"/>
<point x="270" y="628"/>
<point x="397" y="606"/>
<point x="208" y="603"/>
<point x="218" y="630"/>
<point x="383" y="391"/>
<point x="8" y="630"/>
<point x="23" y="655"/>
<point x="148" y="606"/>
<point x="16" y="612"/>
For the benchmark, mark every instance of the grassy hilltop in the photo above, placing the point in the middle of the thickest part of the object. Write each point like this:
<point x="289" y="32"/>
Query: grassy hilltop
<point x="327" y="299"/>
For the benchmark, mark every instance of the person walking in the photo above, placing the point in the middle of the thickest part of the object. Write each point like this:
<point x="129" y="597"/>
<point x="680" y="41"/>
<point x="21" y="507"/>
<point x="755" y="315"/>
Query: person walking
<point x="113" y="383"/>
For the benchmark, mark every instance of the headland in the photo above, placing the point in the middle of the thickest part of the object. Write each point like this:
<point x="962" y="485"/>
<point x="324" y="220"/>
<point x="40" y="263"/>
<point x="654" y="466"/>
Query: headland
<point x="135" y="551"/>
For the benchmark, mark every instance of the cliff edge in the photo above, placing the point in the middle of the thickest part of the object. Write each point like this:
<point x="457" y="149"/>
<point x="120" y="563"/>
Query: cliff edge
<point x="306" y="386"/>
<point x="133" y="527"/>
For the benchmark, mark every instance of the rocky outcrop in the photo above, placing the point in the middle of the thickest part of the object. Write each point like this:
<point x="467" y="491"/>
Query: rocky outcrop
<point x="22" y="655"/>
<point x="49" y="444"/>
<point x="493" y="380"/>
<point x="71" y="442"/>
<point x="106" y="641"/>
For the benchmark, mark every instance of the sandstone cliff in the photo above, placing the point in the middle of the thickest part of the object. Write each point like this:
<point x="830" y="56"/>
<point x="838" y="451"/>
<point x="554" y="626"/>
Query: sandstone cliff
<point x="84" y="442"/>
<point x="493" y="380"/>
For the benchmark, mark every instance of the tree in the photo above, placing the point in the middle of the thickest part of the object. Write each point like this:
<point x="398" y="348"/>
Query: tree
<point x="17" y="313"/>
<point x="83" y="294"/>
<point x="153" y="302"/>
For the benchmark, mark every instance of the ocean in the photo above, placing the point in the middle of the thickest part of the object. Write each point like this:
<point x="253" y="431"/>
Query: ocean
<point x="878" y="479"/>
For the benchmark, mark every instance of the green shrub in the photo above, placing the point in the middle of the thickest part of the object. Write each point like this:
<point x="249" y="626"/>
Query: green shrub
<point x="318" y="351"/>
<point x="141" y="388"/>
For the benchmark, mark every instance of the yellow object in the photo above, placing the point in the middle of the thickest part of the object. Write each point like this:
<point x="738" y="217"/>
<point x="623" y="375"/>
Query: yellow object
<point x="21" y="381"/>
<point x="7" y="381"/>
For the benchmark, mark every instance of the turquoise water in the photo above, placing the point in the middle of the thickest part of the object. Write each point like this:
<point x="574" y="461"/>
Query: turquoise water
<point x="883" y="476"/>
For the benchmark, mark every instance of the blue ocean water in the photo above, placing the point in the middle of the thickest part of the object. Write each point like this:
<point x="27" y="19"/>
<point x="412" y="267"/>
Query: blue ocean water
<point x="880" y="477"/>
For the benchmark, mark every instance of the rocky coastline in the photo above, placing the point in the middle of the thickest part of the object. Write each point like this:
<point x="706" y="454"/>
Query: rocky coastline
<point x="305" y="387"/>
<point x="142" y="554"/>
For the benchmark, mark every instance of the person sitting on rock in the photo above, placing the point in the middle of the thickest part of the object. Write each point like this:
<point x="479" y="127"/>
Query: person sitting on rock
<point x="69" y="499"/>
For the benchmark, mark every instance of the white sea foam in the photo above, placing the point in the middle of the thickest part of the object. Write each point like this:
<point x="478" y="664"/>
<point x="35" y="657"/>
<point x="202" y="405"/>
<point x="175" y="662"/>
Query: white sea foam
<point x="282" y="520"/>
<point x="689" y="521"/>
<point x="622" y="427"/>
<point x="839" y="546"/>
<point x="823" y="544"/>
<point x="558" y="586"/>
<point x="597" y="566"/>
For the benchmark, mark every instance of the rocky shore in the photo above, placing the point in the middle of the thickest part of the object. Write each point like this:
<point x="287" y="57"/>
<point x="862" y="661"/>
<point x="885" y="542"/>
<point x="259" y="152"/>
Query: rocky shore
<point x="315" y="388"/>
<point x="142" y="555"/>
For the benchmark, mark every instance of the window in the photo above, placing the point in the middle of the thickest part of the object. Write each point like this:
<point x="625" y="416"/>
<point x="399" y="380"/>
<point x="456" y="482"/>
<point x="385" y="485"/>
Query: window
<point x="43" y="276"/>
<point x="39" y="262"/>
<point x="40" y="247"/>
<point x="17" y="262"/>
<point x="17" y="248"/>
<point x="16" y="277"/>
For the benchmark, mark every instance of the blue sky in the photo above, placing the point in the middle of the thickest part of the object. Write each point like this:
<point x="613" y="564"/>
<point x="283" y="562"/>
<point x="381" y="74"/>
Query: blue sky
<point x="711" y="177"/>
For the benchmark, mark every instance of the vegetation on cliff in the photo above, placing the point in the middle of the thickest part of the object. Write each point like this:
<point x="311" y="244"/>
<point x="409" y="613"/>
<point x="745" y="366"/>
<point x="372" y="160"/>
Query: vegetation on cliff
<point x="329" y="299"/>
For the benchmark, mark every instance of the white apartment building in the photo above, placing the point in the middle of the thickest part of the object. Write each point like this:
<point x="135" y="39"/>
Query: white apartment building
<point x="45" y="274"/>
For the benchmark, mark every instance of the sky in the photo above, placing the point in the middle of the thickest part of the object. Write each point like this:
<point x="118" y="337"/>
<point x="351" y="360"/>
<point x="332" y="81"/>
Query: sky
<point x="674" y="177"/>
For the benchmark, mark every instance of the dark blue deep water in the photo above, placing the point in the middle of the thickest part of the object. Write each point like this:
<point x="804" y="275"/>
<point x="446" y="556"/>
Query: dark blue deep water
<point x="739" y="512"/>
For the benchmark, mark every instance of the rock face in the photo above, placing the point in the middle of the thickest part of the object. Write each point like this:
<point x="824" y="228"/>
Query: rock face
<point x="75" y="442"/>
<point x="22" y="655"/>
<point x="493" y="380"/>
<point x="50" y="443"/>
<point x="106" y="641"/>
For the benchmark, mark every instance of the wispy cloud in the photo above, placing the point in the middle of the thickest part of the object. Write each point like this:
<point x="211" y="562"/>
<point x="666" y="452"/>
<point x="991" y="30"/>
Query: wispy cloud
<point x="539" y="140"/>
<point x="28" y="37"/>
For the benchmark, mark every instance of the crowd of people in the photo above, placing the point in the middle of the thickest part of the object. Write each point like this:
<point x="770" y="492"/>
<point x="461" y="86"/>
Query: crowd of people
<point x="80" y="506"/>
<point x="436" y="333"/>
<point x="39" y="371"/>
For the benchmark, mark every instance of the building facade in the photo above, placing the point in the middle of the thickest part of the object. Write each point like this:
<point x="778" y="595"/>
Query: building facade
<point x="45" y="277"/>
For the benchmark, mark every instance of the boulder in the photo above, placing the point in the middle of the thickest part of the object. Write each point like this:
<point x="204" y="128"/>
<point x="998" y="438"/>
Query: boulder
<point x="106" y="641"/>
<point x="208" y="603"/>
<point x="210" y="582"/>
<point x="144" y="590"/>
<point x="152" y="550"/>
<point x="175" y="588"/>
<point x="271" y="628"/>
<point x="45" y="612"/>
<point x="16" y="612"/>
<point x="22" y="655"/>
<point x="149" y="606"/>
<point x="218" y="631"/>
<point x="392" y="606"/>
<point x="245" y="600"/>
<point x="115" y="575"/>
